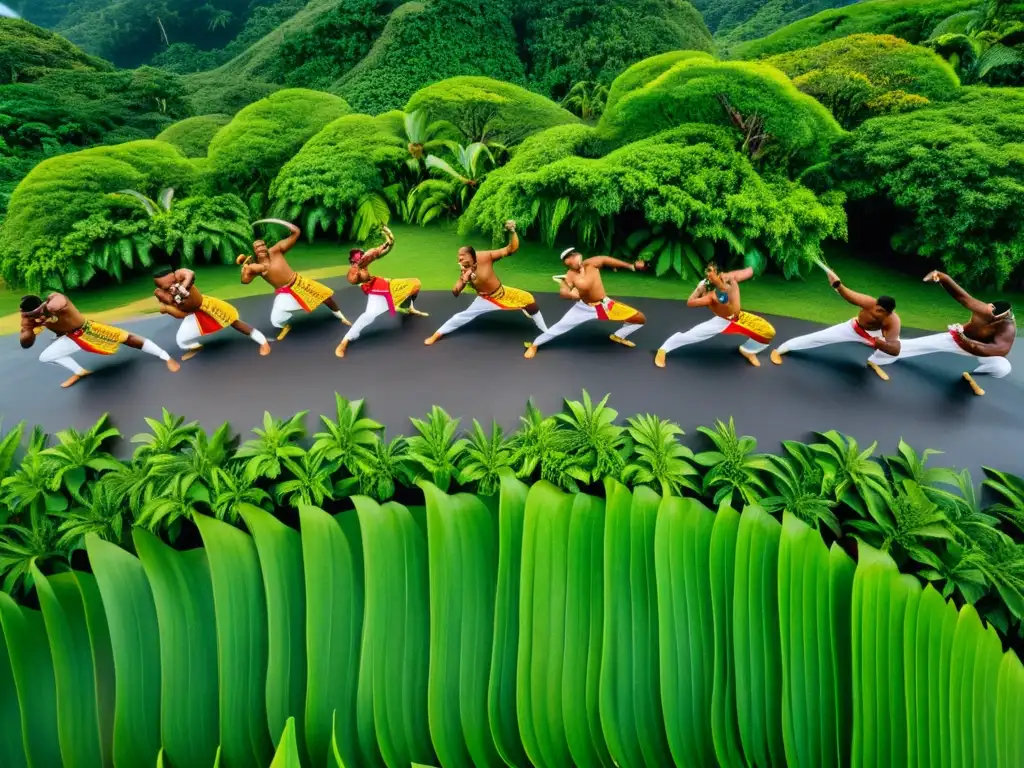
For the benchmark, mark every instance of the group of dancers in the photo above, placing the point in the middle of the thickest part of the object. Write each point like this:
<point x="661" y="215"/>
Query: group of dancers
<point x="988" y="336"/>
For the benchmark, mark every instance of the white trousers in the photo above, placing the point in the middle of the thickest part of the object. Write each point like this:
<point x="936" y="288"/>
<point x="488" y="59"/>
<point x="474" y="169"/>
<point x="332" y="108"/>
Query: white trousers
<point x="376" y="306"/>
<point x="59" y="352"/>
<point x="481" y="306"/>
<point x="189" y="334"/>
<point x="843" y="333"/>
<point x="285" y="305"/>
<point x="579" y="314"/>
<point x="996" y="367"/>
<point x="704" y="331"/>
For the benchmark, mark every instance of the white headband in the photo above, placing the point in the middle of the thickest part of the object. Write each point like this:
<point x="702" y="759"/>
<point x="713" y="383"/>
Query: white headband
<point x="567" y="252"/>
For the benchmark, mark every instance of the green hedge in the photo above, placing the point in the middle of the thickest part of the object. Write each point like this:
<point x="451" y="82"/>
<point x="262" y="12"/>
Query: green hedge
<point x="193" y="135"/>
<point x="251" y="149"/>
<point x="483" y="107"/>
<point x="894" y="70"/>
<point x="426" y="42"/>
<point x="525" y="625"/>
<point x="801" y="129"/>
<point x="955" y="175"/>
<point x="912" y="20"/>
<point x="646" y="70"/>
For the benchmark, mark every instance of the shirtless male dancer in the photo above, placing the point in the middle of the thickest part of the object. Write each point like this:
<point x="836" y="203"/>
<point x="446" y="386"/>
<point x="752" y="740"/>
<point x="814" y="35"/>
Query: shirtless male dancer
<point x="583" y="284"/>
<point x="720" y="292"/>
<point x="988" y="336"/>
<point x="294" y="292"/>
<point x="477" y="272"/>
<point x="382" y="294"/>
<point x="200" y="315"/>
<point x="74" y="332"/>
<point x="876" y="325"/>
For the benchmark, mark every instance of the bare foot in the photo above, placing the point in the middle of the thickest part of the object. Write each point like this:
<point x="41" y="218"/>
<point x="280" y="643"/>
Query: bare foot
<point x="878" y="370"/>
<point x="433" y="339"/>
<point x="340" y="351"/>
<point x="416" y="313"/>
<point x="172" y="365"/>
<point x="531" y="352"/>
<point x="776" y="357"/>
<point x="622" y="341"/>
<point x="974" y="385"/>
<point x="345" y="321"/>
<point x="283" y="333"/>
<point x="751" y="357"/>
<point x="75" y="379"/>
<point x="190" y="354"/>
<point x="264" y="349"/>
<point x="659" y="359"/>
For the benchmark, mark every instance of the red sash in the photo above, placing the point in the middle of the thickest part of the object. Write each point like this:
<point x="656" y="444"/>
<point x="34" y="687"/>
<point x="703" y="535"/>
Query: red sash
<point x="379" y="286"/>
<point x="862" y="333"/>
<point x="960" y="342"/>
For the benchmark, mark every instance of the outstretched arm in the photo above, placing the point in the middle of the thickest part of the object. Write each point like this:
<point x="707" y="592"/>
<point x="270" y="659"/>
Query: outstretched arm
<point x="958" y="293"/>
<point x="380" y="251"/>
<point x="740" y="274"/>
<point x="857" y="299"/>
<point x="508" y="250"/>
<point x="1000" y="346"/>
<point x="600" y="262"/>
<point x="251" y="271"/>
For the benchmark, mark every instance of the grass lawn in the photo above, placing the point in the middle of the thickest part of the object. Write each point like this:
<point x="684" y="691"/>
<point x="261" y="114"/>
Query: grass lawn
<point x="430" y="254"/>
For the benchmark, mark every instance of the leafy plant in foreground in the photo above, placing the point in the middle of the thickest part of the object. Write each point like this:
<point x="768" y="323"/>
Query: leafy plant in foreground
<point x="22" y="546"/>
<point x="435" y="448"/>
<point x="310" y="482"/>
<point x="1010" y="489"/>
<point x="592" y="438"/>
<point x="349" y="435"/>
<point x="486" y="459"/>
<point x="274" y="442"/>
<point x="76" y="454"/>
<point x="733" y="467"/>
<point x="230" y="489"/>
<point x="800" y="487"/>
<point x="658" y="458"/>
<point x="384" y="466"/>
<point x="165" y="434"/>
<point x="854" y="477"/>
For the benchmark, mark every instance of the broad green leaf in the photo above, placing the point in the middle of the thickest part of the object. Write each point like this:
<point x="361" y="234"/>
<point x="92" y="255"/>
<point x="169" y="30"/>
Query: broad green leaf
<point x="183" y="595"/>
<point x="287" y="754"/>
<point x="724" y="719"/>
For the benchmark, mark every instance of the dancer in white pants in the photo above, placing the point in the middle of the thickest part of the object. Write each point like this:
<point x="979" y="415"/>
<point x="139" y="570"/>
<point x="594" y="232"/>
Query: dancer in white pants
<point x="720" y="292"/>
<point x="988" y="336"/>
<point x="294" y="293"/>
<point x="382" y="294"/>
<point x="477" y="272"/>
<point x="75" y="333"/>
<point x="583" y="283"/>
<point x="200" y="315"/>
<point x="877" y="325"/>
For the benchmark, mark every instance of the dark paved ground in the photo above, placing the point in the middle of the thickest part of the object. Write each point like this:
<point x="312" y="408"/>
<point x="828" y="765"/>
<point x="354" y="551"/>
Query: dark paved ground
<point x="479" y="372"/>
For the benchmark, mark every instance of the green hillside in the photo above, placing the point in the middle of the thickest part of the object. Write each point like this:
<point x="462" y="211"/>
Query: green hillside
<point x="736" y="20"/>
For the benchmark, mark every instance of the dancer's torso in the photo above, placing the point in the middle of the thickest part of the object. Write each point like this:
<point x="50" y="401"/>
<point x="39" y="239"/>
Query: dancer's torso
<point x="279" y="273"/>
<point x="979" y="329"/>
<point x="867" y="321"/>
<point x="589" y="284"/>
<point x="729" y="308"/>
<point x="66" y="320"/>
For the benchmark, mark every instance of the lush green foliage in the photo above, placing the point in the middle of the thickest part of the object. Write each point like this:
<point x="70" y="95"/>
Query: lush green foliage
<point x="646" y="70"/>
<point x="956" y="174"/>
<point x="25" y="49"/>
<point x="861" y="76"/>
<point x="248" y="152"/>
<point x="687" y="187"/>
<point x="673" y="632"/>
<point x="985" y="44"/>
<point x="595" y="40"/>
<point x="790" y="128"/>
<point x="339" y="177"/>
<point x="736" y="20"/>
<point x="66" y="224"/>
<point x="424" y="43"/>
<point x="193" y="135"/>
<point x="482" y="108"/>
<point x="912" y="20"/>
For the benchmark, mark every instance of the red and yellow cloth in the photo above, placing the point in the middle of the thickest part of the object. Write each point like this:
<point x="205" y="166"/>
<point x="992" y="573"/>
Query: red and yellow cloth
<point x="98" y="338"/>
<point x="396" y="291"/>
<point x="214" y="315"/>
<point x="751" y="326"/>
<point x="613" y="310"/>
<point x="309" y="293"/>
<point x="509" y="298"/>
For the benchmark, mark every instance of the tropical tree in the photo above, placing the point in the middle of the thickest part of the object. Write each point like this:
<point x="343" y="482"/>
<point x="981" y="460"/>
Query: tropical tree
<point x="424" y="137"/>
<point x="452" y="192"/>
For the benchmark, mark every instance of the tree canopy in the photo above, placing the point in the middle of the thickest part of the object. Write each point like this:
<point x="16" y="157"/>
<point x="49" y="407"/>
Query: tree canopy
<point x="27" y="51"/>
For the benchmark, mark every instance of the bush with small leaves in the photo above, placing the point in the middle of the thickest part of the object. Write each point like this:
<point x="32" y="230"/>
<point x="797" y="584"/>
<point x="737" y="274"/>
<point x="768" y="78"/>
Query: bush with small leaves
<point x="646" y="70"/>
<point x="193" y="135"/>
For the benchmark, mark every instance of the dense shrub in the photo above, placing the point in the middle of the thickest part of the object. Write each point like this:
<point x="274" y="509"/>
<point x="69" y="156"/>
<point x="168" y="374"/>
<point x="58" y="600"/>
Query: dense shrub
<point x="956" y="174"/>
<point x="863" y="75"/>
<point x="912" y="20"/>
<point x="349" y="162"/>
<point x="646" y="70"/>
<point x="424" y="43"/>
<point x="67" y="225"/>
<point x="249" y="151"/>
<point x="482" y="107"/>
<point x="594" y="40"/>
<point x="193" y="136"/>
<point x="25" y="49"/>
<point x="689" y="180"/>
<point x="800" y="129"/>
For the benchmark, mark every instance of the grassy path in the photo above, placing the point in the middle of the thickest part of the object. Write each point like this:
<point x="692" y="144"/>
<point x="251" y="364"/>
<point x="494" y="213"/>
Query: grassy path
<point x="429" y="254"/>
